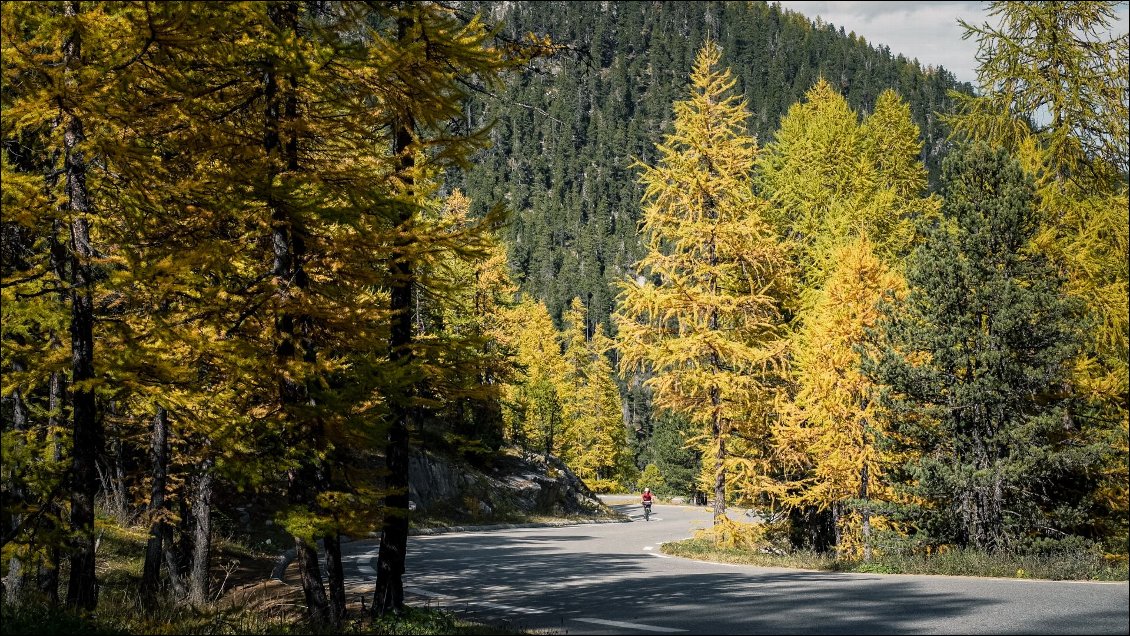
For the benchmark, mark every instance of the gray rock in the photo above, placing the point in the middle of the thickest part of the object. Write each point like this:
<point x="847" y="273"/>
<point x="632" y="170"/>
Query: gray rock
<point x="516" y="486"/>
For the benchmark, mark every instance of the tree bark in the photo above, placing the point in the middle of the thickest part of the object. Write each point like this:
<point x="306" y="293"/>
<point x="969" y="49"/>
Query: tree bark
<point x="49" y="568"/>
<point x="293" y="330"/>
<point x="317" y="604"/>
<point x="82" y="589"/>
<point x="719" y="464"/>
<point x="865" y="512"/>
<point x="202" y="539"/>
<point x="335" y="574"/>
<point x="17" y="576"/>
<point x="154" y="549"/>
<point x="388" y="595"/>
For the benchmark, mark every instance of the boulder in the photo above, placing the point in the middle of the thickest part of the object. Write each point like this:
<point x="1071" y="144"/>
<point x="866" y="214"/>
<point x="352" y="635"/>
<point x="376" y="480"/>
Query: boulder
<point x="518" y="486"/>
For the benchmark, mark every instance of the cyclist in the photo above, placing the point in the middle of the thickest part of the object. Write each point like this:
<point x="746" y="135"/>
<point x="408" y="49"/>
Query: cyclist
<point x="646" y="503"/>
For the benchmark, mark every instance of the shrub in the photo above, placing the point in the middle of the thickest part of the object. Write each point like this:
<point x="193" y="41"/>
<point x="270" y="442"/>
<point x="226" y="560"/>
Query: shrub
<point x="652" y="478"/>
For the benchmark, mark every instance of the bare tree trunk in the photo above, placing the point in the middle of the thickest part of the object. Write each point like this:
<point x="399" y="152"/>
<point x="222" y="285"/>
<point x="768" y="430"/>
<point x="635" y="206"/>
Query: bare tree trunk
<point x="202" y="541"/>
<point x="82" y="589"/>
<point x="174" y="562"/>
<point x="312" y="586"/>
<point x="865" y="512"/>
<point x="16" y="579"/>
<point x="719" y="468"/>
<point x="154" y="549"/>
<point x="335" y="575"/>
<point x="49" y="569"/>
<point x="288" y="270"/>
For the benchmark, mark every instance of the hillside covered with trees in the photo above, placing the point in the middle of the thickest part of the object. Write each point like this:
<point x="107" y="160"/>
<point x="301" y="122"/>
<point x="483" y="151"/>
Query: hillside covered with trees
<point x="268" y="252"/>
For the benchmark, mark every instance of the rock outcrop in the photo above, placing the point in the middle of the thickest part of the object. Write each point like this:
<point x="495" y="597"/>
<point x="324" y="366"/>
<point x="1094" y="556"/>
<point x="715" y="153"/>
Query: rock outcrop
<point x="517" y="487"/>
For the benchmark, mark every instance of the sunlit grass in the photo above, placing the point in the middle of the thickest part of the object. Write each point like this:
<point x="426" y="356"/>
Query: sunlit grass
<point x="120" y="560"/>
<point x="1084" y="566"/>
<point x="115" y="618"/>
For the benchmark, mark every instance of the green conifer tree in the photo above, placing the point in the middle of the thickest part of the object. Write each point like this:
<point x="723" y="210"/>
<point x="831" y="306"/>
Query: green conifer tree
<point x="973" y="363"/>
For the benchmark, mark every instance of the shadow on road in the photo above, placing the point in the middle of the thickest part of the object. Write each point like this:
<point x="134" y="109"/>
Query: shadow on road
<point x="538" y="572"/>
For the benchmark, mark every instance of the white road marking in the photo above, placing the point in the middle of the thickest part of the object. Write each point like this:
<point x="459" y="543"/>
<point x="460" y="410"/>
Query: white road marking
<point x="648" y="547"/>
<point x="639" y="626"/>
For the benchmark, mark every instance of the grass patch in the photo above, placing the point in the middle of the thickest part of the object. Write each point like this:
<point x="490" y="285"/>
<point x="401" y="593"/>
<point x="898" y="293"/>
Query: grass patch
<point x="1068" y="566"/>
<point x="249" y="603"/>
<point x="113" y="619"/>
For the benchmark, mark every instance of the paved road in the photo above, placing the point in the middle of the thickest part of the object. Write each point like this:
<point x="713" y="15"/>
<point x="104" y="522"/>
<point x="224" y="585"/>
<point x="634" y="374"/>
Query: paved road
<point x="610" y="579"/>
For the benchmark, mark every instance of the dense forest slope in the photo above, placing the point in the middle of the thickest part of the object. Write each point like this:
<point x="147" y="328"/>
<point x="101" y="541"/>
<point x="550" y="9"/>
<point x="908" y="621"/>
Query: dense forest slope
<point x="565" y="138"/>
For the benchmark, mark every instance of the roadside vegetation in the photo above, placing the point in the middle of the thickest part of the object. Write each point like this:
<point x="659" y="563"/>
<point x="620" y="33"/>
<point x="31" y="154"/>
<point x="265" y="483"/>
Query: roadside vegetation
<point x="245" y="602"/>
<point x="1064" y="565"/>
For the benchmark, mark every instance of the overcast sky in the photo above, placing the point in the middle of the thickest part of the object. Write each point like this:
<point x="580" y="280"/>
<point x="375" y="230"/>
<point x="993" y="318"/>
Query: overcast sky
<point x="927" y="31"/>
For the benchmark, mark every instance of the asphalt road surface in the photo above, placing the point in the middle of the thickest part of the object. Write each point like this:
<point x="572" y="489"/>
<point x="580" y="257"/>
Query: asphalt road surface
<point x="610" y="578"/>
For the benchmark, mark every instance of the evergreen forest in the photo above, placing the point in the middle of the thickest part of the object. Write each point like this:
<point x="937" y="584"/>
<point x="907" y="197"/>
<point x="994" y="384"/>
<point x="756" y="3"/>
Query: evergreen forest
<point x="268" y="252"/>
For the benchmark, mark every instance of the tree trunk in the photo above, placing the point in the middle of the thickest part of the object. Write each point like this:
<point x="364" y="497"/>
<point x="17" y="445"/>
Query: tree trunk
<point x="154" y="549"/>
<point x="313" y="588"/>
<point x="49" y="568"/>
<point x="202" y="539"/>
<point x="865" y="512"/>
<point x="17" y="576"/>
<point x="335" y="575"/>
<point x="719" y="471"/>
<point x="289" y="252"/>
<point x="388" y="595"/>
<point x="174" y="562"/>
<point x="82" y="589"/>
<point x="183" y="549"/>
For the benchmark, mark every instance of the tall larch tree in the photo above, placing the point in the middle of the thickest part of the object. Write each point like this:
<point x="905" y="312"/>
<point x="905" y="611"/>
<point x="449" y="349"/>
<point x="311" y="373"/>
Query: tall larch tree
<point x="1055" y="89"/>
<point x="597" y="447"/>
<point x="474" y="290"/>
<point x="441" y="56"/>
<point x="840" y="187"/>
<point x="59" y="64"/>
<point x="533" y="405"/>
<point x="830" y="437"/>
<point x="831" y="178"/>
<point x="704" y="313"/>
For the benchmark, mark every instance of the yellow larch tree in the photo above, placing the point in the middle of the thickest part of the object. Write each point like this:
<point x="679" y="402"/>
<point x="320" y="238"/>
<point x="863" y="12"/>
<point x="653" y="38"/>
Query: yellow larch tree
<point x="847" y="195"/>
<point x="831" y="177"/>
<point x="533" y="412"/>
<point x="703" y="315"/>
<point x="829" y="435"/>
<point x="597" y="448"/>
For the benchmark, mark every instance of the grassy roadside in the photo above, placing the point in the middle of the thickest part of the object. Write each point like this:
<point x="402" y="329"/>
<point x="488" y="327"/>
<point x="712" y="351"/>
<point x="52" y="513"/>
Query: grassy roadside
<point x="113" y="618"/>
<point x="1058" y="567"/>
<point x="246" y="602"/>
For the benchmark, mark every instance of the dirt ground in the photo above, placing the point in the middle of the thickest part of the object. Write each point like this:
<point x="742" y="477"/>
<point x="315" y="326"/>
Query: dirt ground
<point x="248" y="584"/>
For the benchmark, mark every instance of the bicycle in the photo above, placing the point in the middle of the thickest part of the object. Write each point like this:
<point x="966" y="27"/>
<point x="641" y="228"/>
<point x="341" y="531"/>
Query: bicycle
<point x="646" y="510"/>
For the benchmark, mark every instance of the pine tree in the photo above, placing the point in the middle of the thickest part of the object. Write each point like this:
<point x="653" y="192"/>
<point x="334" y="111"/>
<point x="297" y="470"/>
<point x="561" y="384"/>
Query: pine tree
<point x="972" y="363"/>
<point x="1054" y="92"/>
<point x="704" y="313"/>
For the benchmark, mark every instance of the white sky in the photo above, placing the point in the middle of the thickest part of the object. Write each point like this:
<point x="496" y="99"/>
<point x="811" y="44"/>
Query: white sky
<point x="927" y="31"/>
